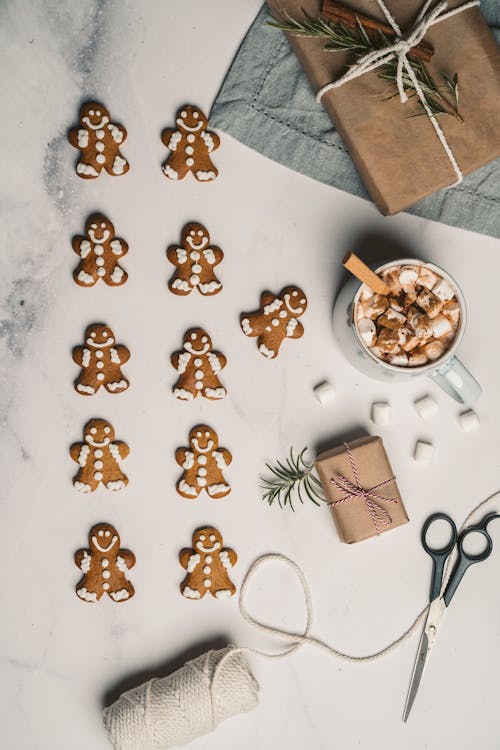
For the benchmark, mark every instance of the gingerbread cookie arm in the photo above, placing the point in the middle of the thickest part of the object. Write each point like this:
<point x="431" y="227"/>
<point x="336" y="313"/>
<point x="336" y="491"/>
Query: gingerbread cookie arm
<point x="216" y="253"/>
<point x="128" y="558"/>
<point x="180" y="357"/>
<point x="230" y="554"/>
<point x="118" y="132"/>
<point x="75" y="450"/>
<point x="226" y="455"/>
<point x="123" y="353"/>
<point x="212" y="141"/>
<point x="73" y="137"/>
<point x="166" y="135"/>
<point x="173" y="255"/>
<point x="184" y="556"/>
<point x="119" y="247"/>
<point x="217" y="357"/>
<point x="76" y="244"/>
<point x="80" y="555"/>
<point x="181" y="455"/>
<point x="77" y="354"/>
<point x="298" y="330"/>
<point x="122" y="448"/>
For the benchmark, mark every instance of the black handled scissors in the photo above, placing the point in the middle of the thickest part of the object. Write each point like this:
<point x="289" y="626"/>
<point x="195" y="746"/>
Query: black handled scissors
<point x="439" y="600"/>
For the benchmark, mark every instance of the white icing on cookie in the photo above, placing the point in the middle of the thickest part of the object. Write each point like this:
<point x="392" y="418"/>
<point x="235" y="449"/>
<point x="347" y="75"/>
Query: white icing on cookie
<point x="269" y="353"/>
<point x="117" y="385"/>
<point x="116" y="133"/>
<point x="183" y="394"/>
<point x="169" y="172"/>
<point x="193" y="561"/>
<point x="119" y="596"/>
<point x="215" y="392"/>
<point x="223" y="594"/>
<point x="119" y="484"/>
<point x="188" y="460"/>
<point x="208" y="141"/>
<point x="219" y="459"/>
<point x="224" y="558"/>
<point x="214" y="362"/>
<point x="88" y="169"/>
<point x="181" y="284"/>
<point x="86" y="561"/>
<point x="117" y="274"/>
<point x="291" y="326"/>
<point x="85" y="388"/>
<point x="83" y="455"/>
<point x="118" y="165"/>
<point x="209" y="287"/>
<point x="83" y="138"/>
<point x="88" y="596"/>
<point x="184" y="359"/>
<point x="116" y="247"/>
<point x="205" y="176"/>
<point x="272" y="306"/>
<point x="174" y="140"/>
<point x="114" y="356"/>
<point x="217" y="489"/>
<point x="187" y="489"/>
<point x="190" y="593"/>
<point x="85" y="358"/>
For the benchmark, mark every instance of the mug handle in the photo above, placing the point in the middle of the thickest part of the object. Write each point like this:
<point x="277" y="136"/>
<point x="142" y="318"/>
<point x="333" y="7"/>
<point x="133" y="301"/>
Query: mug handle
<point x="455" y="379"/>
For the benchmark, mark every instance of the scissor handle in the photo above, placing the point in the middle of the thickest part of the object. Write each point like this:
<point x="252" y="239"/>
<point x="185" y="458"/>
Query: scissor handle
<point x="440" y="555"/>
<point x="466" y="559"/>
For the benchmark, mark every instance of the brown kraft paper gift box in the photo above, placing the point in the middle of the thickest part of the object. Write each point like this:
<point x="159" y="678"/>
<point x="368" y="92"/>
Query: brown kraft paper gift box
<point x="352" y="518"/>
<point x="400" y="158"/>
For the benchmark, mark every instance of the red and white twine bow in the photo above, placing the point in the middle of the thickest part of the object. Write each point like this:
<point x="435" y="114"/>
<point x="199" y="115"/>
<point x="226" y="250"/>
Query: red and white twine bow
<point x="379" y="515"/>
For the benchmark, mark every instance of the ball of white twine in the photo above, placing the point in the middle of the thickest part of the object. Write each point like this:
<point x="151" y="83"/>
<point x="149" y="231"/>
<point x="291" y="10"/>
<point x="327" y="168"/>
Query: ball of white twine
<point x="174" y="710"/>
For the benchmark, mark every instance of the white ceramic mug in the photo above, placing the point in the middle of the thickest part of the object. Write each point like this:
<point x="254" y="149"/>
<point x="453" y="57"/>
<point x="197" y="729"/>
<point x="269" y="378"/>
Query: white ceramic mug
<point x="447" y="371"/>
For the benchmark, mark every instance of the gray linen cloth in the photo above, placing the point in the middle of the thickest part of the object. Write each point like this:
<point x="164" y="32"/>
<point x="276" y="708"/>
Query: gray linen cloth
<point x="266" y="102"/>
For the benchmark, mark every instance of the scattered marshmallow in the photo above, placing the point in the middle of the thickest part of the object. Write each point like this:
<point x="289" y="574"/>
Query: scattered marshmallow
<point x="367" y="331"/>
<point x="417" y="357"/>
<point x="423" y="452"/>
<point x="468" y="420"/>
<point x="428" y="301"/>
<point x="443" y="290"/>
<point x="324" y="392"/>
<point x="426" y="407"/>
<point x="381" y="413"/>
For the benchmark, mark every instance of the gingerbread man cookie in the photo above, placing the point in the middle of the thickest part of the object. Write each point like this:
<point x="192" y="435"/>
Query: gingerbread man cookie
<point x="208" y="565"/>
<point x="98" y="140"/>
<point x="98" y="457"/>
<point x="104" y="566"/>
<point x="99" y="251"/>
<point x="198" y="367"/>
<point x="194" y="262"/>
<point x="203" y="463"/>
<point x="101" y="360"/>
<point x="191" y="145"/>
<point x="276" y="320"/>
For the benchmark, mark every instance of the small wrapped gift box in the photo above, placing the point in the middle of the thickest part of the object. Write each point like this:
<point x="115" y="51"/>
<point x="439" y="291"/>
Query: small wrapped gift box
<point x="399" y="156"/>
<point x="359" y="483"/>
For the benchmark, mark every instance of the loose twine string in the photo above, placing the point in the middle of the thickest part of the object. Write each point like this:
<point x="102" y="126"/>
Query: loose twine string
<point x="400" y="49"/>
<point x="297" y="640"/>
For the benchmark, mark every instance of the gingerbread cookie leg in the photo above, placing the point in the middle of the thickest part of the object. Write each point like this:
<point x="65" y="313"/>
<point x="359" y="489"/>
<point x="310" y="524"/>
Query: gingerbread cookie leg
<point x="204" y="170"/>
<point x="124" y="592"/>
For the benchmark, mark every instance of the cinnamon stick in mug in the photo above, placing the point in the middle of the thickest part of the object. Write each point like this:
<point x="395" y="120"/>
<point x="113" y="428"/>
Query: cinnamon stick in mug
<point x="362" y="272"/>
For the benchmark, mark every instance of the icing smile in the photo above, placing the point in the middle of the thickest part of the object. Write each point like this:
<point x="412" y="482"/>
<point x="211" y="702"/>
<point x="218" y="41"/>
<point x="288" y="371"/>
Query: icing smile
<point x="208" y="447"/>
<point x="96" y="443"/>
<point x="198" y="246"/>
<point x="290" y="307"/>
<point x="180" y="122"/>
<point x="100" y="125"/>
<point x="99" y="240"/>
<point x="192" y="349"/>
<point x="91" y="342"/>
<point x="113" y="541"/>
<point x="208" y="550"/>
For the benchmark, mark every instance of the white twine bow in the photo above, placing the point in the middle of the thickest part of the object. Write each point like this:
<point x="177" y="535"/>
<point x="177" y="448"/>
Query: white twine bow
<point x="402" y="45"/>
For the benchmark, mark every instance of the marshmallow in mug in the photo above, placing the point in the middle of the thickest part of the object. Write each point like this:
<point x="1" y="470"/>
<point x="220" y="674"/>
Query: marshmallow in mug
<point x="413" y="325"/>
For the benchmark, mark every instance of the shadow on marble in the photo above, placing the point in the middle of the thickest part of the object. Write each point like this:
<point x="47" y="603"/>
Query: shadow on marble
<point x="167" y="667"/>
<point x="326" y="444"/>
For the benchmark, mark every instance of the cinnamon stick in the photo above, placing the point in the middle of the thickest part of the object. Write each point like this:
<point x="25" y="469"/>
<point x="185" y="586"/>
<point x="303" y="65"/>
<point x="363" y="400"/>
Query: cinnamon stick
<point x="359" y="269"/>
<point x="338" y="13"/>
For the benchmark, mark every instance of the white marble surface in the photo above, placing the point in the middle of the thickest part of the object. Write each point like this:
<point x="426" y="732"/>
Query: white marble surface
<point x="61" y="657"/>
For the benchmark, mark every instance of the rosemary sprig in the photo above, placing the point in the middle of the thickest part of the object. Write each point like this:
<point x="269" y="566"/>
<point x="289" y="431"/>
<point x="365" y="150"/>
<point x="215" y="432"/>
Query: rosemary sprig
<point x="291" y="478"/>
<point x="359" y="43"/>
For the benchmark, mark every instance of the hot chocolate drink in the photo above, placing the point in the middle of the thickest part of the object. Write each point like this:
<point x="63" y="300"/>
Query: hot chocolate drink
<point x="413" y="325"/>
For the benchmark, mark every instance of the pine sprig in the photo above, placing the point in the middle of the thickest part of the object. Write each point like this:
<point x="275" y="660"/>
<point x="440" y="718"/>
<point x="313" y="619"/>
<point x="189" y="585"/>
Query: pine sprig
<point x="291" y="478"/>
<point x="359" y="43"/>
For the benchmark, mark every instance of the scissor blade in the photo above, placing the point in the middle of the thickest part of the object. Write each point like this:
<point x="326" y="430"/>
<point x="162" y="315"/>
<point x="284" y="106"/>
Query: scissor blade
<point x="434" y="615"/>
<point x="416" y="676"/>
